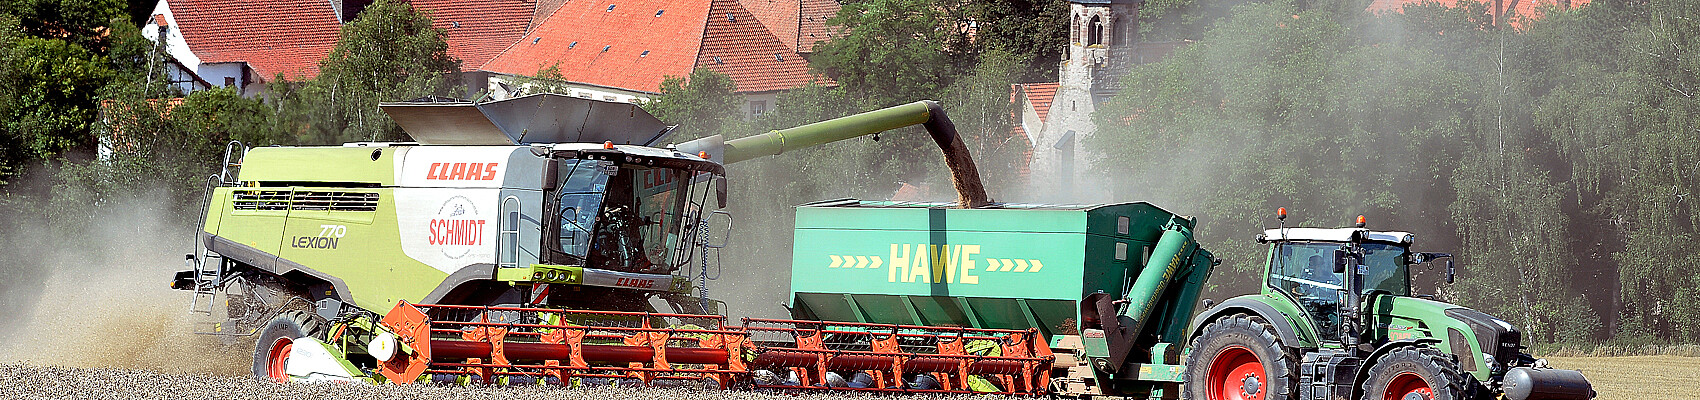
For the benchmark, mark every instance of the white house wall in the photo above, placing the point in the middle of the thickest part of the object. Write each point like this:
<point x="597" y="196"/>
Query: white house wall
<point x="174" y="43"/>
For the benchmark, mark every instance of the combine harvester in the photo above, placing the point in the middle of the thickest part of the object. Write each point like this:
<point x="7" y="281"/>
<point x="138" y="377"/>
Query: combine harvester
<point x="548" y="240"/>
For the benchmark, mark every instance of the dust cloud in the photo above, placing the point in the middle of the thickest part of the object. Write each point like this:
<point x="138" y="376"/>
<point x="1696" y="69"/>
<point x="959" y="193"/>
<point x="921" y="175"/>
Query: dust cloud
<point x="103" y="299"/>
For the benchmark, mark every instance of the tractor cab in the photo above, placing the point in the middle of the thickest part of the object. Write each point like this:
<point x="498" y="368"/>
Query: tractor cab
<point x="628" y="208"/>
<point x="1305" y="265"/>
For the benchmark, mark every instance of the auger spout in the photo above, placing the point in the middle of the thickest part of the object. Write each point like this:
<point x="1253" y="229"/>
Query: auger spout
<point x="971" y="193"/>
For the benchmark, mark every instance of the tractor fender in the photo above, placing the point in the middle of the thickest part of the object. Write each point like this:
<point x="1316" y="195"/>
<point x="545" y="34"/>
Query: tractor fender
<point x="1247" y="305"/>
<point x="1370" y="360"/>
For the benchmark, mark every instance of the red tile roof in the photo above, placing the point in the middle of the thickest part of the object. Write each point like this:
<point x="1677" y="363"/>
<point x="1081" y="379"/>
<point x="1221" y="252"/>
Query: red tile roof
<point x="273" y="36"/>
<point x="649" y="40"/>
<point x="1040" y="95"/>
<point x="544" y="9"/>
<point x="813" y="28"/>
<point x="780" y="17"/>
<point x="478" y="30"/>
<point x="797" y="23"/>
<point x="628" y="44"/>
<point x="738" y="45"/>
<point x="1516" y="9"/>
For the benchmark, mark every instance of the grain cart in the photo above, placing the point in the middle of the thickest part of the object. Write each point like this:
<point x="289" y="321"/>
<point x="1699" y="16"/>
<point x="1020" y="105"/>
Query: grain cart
<point x="544" y="231"/>
<point x="1111" y="291"/>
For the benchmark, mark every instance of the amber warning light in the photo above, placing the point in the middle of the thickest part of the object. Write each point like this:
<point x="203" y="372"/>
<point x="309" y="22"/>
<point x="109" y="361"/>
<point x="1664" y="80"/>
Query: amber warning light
<point x="1360" y="221"/>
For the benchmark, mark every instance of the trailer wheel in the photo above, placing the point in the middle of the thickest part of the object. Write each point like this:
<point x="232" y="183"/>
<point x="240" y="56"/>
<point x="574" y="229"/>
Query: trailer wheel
<point x="271" y="350"/>
<point x="1414" y="373"/>
<point x="1239" y="357"/>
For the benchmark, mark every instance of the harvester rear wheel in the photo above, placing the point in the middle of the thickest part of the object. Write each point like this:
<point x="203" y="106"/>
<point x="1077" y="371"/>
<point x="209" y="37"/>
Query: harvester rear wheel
<point x="1239" y="357"/>
<point x="271" y="350"/>
<point x="1415" y="373"/>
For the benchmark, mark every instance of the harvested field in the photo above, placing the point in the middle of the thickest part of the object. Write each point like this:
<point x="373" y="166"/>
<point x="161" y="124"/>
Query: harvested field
<point x="1637" y="378"/>
<point x="33" y="382"/>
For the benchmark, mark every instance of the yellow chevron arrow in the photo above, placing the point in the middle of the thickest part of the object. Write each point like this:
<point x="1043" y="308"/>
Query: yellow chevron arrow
<point x="877" y="262"/>
<point x="836" y="261"/>
<point x="1036" y="266"/>
<point x="1020" y="265"/>
<point x="861" y="261"/>
<point x="992" y="264"/>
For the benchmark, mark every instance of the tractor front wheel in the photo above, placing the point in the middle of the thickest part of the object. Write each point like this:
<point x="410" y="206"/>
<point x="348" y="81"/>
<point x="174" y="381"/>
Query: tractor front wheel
<point x="1414" y="373"/>
<point x="271" y="351"/>
<point x="1239" y="357"/>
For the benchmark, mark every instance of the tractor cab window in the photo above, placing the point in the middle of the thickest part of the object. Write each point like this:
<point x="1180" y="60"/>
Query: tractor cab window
<point x="625" y="217"/>
<point x="1388" y="268"/>
<point x="1306" y="272"/>
<point x="581" y="188"/>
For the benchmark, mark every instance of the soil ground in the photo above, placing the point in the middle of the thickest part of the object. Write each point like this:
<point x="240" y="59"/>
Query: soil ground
<point x="1636" y="378"/>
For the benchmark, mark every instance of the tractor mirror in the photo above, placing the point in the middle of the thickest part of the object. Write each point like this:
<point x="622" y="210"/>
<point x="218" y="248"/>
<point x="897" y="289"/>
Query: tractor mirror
<point x="551" y="174"/>
<point x="1340" y="257"/>
<point x="1451" y="274"/>
<point x="720" y="192"/>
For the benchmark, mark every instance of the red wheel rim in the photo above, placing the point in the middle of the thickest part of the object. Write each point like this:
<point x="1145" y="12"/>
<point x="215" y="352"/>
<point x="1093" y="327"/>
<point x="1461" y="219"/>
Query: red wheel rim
<point x="279" y="357"/>
<point x="1236" y="374"/>
<point x="1408" y="386"/>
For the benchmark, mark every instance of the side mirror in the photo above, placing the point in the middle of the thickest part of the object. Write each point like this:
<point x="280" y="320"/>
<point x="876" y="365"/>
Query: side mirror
<point x="1340" y="257"/>
<point x="720" y="192"/>
<point x="551" y="174"/>
<point x="1451" y="274"/>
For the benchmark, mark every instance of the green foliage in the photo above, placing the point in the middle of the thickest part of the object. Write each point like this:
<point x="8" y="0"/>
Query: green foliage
<point x="894" y="49"/>
<point x="49" y="87"/>
<point x="699" y="104"/>
<point x="79" y="21"/>
<point x="389" y="52"/>
<point x="547" y="80"/>
<point x="1030" y="30"/>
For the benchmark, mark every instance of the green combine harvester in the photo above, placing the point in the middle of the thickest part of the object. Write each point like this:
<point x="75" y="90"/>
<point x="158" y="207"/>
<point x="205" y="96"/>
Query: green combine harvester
<point x="555" y="240"/>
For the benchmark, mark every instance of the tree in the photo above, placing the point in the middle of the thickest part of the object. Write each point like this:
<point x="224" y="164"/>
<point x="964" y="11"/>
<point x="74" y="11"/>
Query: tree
<point x="894" y="51"/>
<point x="699" y="104"/>
<point x="82" y="22"/>
<point x="390" y="52"/>
<point x="49" y="87"/>
<point x="1034" y="31"/>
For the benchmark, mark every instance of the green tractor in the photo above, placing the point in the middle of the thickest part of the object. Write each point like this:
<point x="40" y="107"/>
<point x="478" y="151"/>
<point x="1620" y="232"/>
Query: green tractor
<point x="1337" y="319"/>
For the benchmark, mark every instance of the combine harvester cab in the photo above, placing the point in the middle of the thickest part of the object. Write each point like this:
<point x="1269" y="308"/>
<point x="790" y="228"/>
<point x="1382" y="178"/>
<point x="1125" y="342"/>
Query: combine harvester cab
<point x="907" y="296"/>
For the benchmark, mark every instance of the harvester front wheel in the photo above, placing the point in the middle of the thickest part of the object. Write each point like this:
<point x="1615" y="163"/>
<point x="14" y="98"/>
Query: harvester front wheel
<point x="1239" y="357"/>
<point x="271" y="350"/>
<point x="1414" y="373"/>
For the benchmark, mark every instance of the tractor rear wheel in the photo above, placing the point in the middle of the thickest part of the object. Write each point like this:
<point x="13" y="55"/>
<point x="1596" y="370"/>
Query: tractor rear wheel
<point x="1415" y="373"/>
<point x="1239" y="357"/>
<point x="271" y="351"/>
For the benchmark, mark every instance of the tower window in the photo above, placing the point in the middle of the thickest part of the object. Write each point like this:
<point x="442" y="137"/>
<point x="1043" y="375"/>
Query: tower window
<point x="1094" y="31"/>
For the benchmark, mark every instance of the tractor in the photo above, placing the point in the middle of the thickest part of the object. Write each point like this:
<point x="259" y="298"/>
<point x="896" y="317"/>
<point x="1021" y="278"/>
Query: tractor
<point x="1337" y="319"/>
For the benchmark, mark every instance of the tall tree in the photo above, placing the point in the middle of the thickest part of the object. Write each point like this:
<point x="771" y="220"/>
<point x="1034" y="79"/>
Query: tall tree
<point x="895" y="51"/>
<point x="699" y="104"/>
<point x="390" y="52"/>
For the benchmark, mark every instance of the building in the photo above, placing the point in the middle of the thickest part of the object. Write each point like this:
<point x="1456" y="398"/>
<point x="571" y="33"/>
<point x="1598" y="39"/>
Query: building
<point x="617" y="50"/>
<point x="1055" y="117"/>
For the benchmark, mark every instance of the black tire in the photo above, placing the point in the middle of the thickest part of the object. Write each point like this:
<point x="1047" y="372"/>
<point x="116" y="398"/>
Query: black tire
<point x="278" y="335"/>
<point x="1409" y="370"/>
<point x="1223" y="347"/>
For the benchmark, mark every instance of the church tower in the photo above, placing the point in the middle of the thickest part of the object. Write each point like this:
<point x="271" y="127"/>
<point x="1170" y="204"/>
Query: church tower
<point x="1101" y="49"/>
